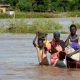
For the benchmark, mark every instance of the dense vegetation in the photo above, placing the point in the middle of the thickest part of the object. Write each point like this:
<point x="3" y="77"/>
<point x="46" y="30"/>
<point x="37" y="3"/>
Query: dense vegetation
<point x="43" y="5"/>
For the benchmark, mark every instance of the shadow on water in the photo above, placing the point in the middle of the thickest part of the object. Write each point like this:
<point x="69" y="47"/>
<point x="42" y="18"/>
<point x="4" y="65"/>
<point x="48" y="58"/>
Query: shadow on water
<point x="18" y="61"/>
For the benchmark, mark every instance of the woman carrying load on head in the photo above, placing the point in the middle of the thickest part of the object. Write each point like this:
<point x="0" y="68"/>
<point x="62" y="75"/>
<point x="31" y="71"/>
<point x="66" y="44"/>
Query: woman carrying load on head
<point x="38" y="43"/>
<point x="73" y="41"/>
<point x="57" y="51"/>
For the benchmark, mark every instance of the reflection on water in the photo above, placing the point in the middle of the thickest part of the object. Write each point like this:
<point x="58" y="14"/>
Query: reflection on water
<point x="18" y="61"/>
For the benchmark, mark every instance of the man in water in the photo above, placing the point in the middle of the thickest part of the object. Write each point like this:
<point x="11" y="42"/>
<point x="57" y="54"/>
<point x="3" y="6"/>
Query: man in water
<point x="73" y="41"/>
<point x="73" y="38"/>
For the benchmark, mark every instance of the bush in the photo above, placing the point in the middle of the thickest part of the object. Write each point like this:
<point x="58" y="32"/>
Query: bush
<point x="44" y="25"/>
<point x="41" y="25"/>
<point x="20" y="15"/>
<point x="4" y="15"/>
<point x="2" y="30"/>
<point x="24" y="5"/>
<point x="18" y="27"/>
<point x="74" y="14"/>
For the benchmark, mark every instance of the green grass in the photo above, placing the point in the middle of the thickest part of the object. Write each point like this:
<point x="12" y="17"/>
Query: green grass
<point x="78" y="25"/>
<point x="42" y="14"/>
<point x="74" y="14"/>
<point x="17" y="27"/>
<point x="2" y="30"/>
<point x="43" y="25"/>
<point x="64" y="32"/>
<point x="3" y="15"/>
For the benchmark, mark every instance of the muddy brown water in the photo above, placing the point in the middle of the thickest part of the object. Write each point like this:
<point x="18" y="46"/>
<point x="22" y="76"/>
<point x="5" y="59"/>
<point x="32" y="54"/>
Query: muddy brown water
<point x="18" y="61"/>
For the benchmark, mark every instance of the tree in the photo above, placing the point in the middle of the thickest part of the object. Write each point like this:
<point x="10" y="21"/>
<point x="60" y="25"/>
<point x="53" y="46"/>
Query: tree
<point x="41" y="5"/>
<point x="44" y="5"/>
<point x="24" y="5"/>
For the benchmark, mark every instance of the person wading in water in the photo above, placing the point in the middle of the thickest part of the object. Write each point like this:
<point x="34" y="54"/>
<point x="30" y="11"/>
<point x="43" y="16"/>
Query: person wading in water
<point x="38" y="43"/>
<point x="57" y="51"/>
<point x="73" y="41"/>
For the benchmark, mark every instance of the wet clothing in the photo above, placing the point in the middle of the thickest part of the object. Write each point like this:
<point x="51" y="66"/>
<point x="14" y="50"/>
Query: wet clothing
<point x="75" y="45"/>
<point x="47" y="45"/>
<point x="54" y="44"/>
<point x="60" y="63"/>
<point x="72" y="40"/>
<point x="70" y="62"/>
<point x="56" y="49"/>
<point x="42" y="56"/>
<point x="41" y="48"/>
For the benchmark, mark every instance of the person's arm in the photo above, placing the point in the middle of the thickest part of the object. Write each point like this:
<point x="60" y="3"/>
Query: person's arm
<point x="72" y="53"/>
<point x="53" y="49"/>
<point x="79" y="41"/>
<point x="34" y="41"/>
<point x="67" y="41"/>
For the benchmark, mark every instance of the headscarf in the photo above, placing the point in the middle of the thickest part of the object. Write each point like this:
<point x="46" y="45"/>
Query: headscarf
<point x="56" y="33"/>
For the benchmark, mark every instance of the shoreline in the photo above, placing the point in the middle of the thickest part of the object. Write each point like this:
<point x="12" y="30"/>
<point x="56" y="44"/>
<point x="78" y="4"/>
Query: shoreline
<point x="41" y="14"/>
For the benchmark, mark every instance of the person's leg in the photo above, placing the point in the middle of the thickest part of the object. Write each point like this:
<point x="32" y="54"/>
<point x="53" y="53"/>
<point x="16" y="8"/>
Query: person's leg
<point x="53" y="58"/>
<point x="44" y="61"/>
<point x="71" y="63"/>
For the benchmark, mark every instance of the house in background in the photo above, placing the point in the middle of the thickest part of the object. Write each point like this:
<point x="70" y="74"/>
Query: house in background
<point x="3" y="7"/>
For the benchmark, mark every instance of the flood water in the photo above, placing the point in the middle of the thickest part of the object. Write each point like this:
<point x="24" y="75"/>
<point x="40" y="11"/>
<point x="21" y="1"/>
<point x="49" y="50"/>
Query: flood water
<point x="18" y="61"/>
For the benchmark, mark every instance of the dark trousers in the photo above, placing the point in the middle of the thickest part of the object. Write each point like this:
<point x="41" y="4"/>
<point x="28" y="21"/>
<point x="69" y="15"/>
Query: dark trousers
<point x="71" y="63"/>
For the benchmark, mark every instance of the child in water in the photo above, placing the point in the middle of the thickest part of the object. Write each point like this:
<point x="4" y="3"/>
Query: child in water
<point x="41" y="49"/>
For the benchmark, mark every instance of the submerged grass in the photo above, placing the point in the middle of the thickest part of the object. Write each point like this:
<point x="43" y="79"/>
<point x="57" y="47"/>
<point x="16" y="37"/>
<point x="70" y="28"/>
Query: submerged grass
<point x="43" y="25"/>
<point x="64" y="32"/>
<point x="2" y="30"/>
<point x="74" y="14"/>
<point x="17" y="28"/>
<point x="47" y="14"/>
<point x="78" y="25"/>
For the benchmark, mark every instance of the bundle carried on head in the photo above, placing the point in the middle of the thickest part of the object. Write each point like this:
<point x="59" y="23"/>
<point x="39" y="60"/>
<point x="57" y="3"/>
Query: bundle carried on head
<point x="42" y="36"/>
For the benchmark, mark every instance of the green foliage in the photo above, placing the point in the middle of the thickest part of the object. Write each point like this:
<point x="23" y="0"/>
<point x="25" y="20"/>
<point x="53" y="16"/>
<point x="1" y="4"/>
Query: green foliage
<point x="3" y="15"/>
<point x="41" y="6"/>
<point x="43" y="25"/>
<point x="64" y="32"/>
<point x="74" y="14"/>
<point x="24" y="5"/>
<point x="78" y="25"/>
<point x="41" y="14"/>
<point x="57" y="26"/>
<point x="44" y="5"/>
<point x="17" y="27"/>
<point x="2" y="30"/>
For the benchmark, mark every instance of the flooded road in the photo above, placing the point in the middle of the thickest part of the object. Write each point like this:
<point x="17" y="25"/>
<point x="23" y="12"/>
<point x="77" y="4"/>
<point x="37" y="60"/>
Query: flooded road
<point x="18" y="61"/>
